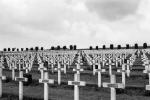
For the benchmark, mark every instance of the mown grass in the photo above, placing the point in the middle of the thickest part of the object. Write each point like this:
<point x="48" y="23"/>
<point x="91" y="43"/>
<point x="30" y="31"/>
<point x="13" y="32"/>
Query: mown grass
<point x="64" y="92"/>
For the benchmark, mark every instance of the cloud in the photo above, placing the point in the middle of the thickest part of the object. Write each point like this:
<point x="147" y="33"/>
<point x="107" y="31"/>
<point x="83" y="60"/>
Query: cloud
<point x="26" y="23"/>
<point x="112" y="10"/>
<point x="23" y="21"/>
<point x="126" y="21"/>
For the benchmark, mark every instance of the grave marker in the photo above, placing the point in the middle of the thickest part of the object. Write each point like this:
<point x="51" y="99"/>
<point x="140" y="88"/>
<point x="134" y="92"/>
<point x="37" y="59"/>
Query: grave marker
<point x="103" y="61"/>
<point x="1" y="78"/>
<point x="42" y="69"/>
<point x="13" y="71"/>
<point x="93" y="66"/>
<point x="147" y="65"/>
<point x="46" y="81"/>
<point x="148" y="72"/>
<point x="65" y="68"/>
<point x="52" y="67"/>
<point x="78" y="69"/>
<point x="26" y="68"/>
<point x="59" y="69"/>
<point x="110" y="66"/>
<point x="20" y="62"/>
<point x="128" y="68"/>
<point x="123" y="71"/>
<point x="76" y="84"/>
<point x="113" y="85"/>
<point x="21" y="79"/>
<point x="99" y="71"/>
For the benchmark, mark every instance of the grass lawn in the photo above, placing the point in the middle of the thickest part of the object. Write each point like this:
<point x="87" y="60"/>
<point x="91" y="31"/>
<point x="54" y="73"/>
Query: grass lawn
<point x="65" y="92"/>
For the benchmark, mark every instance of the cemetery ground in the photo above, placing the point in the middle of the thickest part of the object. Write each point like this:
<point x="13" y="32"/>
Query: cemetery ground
<point x="135" y="87"/>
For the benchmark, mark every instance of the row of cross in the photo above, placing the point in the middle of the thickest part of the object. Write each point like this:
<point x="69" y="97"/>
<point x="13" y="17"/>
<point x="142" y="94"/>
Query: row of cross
<point x="95" y="59"/>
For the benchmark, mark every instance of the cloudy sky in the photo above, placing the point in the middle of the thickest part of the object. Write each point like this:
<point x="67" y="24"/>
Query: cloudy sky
<point x="27" y="23"/>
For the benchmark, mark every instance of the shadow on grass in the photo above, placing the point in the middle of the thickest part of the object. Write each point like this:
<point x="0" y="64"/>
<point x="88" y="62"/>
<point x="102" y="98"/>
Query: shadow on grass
<point x="15" y="97"/>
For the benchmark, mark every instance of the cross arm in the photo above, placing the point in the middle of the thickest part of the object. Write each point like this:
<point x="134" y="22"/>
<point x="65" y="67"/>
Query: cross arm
<point x="113" y="85"/>
<point x="100" y="70"/>
<point x="76" y="69"/>
<point x="21" y="79"/>
<point x="3" y="77"/>
<point x="51" y="81"/>
<point x="146" y="71"/>
<point x="78" y="83"/>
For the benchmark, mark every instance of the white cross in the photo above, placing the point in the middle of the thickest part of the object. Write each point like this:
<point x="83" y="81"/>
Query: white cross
<point x="116" y="61"/>
<point x="145" y="60"/>
<point x="59" y="69"/>
<point x="78" y="69"/>
<point x="26" y="67"/>
<point x="42" y="69"/>
<point x="52" y="67"/>
<point x="147" y="65"/>
<point x="13" y="70"/>
<point x="120" y="60"/>
<point x="1" y="78"/>
<point x="104" y="60"/>
<point x="110" y="66"/>
<point x="65" y="68"/>
<point x="46" y="81"/>
<point x="128" y="68"/>
<point x="76" y="84"/>
<point x="113" y="85"/>
<point x="99" y="71"/>
<point x="123" y="71"/>
<point x="148" y="72"/>
<point x="1" y="60"/>
<point x="21" y="79"/>
<point x="93" y="61"/>
<point x="20" y="62"/>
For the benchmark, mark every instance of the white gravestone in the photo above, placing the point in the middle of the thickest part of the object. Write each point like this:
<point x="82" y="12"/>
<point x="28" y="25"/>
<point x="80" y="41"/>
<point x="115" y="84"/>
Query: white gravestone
<point x="148" y="72"/>
<point x="147" y="65"/>
<point x="128" y="68"/>
<point x="65" y="67"/>
<point x="93" y="61"/>
<point x="110" y="66"/>
<point x="123" y="71"/>
<point x="78" y="69"/>
<point x="26" y="68"/>
<point x="113" y="85"/>
<point x="21" y="79"/>
<point x="116" y="61"/>
<point x="120" y="60"/>
<point x="46" y="81"/>
<point x="52" y="67"/>
<point x="99" y="71"/>
<point x="13" y="71"/>
<point x="76" y="84"/>
<point x="1" y="78"/>
<point x="104" y="61"/>
<point x="59" y="69"/>
<point x="42" y="69"/>
<point x="20" y="64"/>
